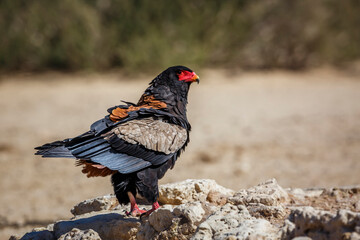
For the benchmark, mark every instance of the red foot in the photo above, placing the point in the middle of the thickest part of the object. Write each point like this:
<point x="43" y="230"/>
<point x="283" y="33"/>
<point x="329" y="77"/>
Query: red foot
<point x="154" y="207"/>
<point x="135" y="211"/>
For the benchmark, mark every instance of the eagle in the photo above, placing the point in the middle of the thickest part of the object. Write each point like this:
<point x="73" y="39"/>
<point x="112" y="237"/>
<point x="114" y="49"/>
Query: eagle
<point x="135" y="143"/>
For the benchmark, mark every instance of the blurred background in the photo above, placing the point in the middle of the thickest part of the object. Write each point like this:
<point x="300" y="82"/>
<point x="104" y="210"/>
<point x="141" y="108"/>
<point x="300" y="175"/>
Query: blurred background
<point x="279" y="95"/>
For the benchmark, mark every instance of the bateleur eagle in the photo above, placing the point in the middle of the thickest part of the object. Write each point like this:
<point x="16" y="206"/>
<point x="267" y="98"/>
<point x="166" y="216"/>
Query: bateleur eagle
<point x="136" y="143"/>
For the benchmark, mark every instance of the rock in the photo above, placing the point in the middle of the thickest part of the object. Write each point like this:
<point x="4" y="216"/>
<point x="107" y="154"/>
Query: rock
<point x="201" y="209"/>
<point x="357" y="206"/>
<point x="216" y="198"/>
<point x="162" y="218"/>
<point x="353" y="236"/>
<point x="266" y="199"/>
<point x="193" y="212"/>
<point x="95" y="204"/>
<point x="108" y="225"/>
<point x="190" y="190"/>
<point x="77" y="234"/>
<point x="318" y="224"/>
<point x="268" y="193"/>
<point x="38" y="235"/>
<point x="181" y="220"/>
<point x="234" y="222"/>
<point x="146" y="232"/>
<point x="43" y="233"/>
<point x="305" y="193"/>
<point x="301" y="238"/>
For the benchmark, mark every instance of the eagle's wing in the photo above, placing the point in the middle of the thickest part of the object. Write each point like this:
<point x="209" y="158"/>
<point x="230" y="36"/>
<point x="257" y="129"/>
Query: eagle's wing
<point x="129" y="139"/>
<point x="126" y="147"/>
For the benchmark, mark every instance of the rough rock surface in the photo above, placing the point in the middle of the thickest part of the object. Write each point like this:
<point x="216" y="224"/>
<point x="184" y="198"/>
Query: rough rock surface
<point x="319" y="224"/>
<point x="201" y="209"/>
<point x="77" y="234"/>
<point x="234" y="222"/>
<point x="191" y="190"/>
<point x="106" y="202"/>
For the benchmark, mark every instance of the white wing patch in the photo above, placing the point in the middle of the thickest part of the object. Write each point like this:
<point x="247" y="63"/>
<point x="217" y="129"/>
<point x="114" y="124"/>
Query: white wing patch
<point x="153" y="134"/>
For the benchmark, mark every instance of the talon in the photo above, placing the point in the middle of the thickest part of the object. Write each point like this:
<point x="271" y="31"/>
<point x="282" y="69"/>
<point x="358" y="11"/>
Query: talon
<point x="135" y="212"/>
<point x="154" y="207"/>
<point x="144" y="215"/>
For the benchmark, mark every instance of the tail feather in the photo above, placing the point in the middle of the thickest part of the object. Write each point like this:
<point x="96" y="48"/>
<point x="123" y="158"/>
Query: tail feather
<point x="83" y="146"/>
<point x="54" y="149"/>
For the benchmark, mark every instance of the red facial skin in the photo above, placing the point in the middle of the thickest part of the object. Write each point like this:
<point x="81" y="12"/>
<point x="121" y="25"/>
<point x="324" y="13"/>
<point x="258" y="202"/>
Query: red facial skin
<point x="187" y="76"/>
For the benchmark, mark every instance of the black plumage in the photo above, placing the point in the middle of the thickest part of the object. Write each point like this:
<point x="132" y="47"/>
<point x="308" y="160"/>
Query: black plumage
<point x="135" y="143"/>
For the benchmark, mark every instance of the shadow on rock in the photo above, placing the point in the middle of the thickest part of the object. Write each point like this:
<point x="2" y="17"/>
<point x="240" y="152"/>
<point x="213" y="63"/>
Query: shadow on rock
<point x="108" y="226"/>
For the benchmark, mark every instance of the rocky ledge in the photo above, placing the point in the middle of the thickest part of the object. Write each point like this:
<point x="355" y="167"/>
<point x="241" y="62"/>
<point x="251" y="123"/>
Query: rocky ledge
<point x="202" y="209"/>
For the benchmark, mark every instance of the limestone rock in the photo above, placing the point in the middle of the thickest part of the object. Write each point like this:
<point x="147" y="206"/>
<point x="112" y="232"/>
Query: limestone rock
<point x="268" y="193"/>
<point x="201" y="209"/>
<point x="318" y="224"/>
<point x="266" y="199"/>
<point x="77" y="234"/>
<point x="146" y="231"/>
<point x="111" y="225"/>
<point x="40" y="233"/>
<point x="162" y="218"/>
<point x="191" y="190"/>
<point x="193" y="212"/>
<point x="235" y="222"/>
<point x="95" y="204"/>
<point x="37" y="235"/>
<point x="169" y="221"/>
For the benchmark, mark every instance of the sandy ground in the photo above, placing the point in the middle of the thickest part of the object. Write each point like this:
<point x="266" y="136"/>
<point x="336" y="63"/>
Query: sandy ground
<point x="301" y="128"/>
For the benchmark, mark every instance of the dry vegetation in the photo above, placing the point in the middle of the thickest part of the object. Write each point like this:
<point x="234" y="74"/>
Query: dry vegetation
<point x="102" y="34"/>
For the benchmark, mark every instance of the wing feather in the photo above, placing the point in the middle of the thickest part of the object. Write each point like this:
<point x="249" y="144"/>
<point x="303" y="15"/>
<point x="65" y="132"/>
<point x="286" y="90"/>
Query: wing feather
<point x="153" y="134"/>
<point x="129" y="145"/>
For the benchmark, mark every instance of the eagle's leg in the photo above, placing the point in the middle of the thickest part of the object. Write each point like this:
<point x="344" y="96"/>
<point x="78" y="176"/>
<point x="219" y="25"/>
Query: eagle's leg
<point x="134" y="209"/>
